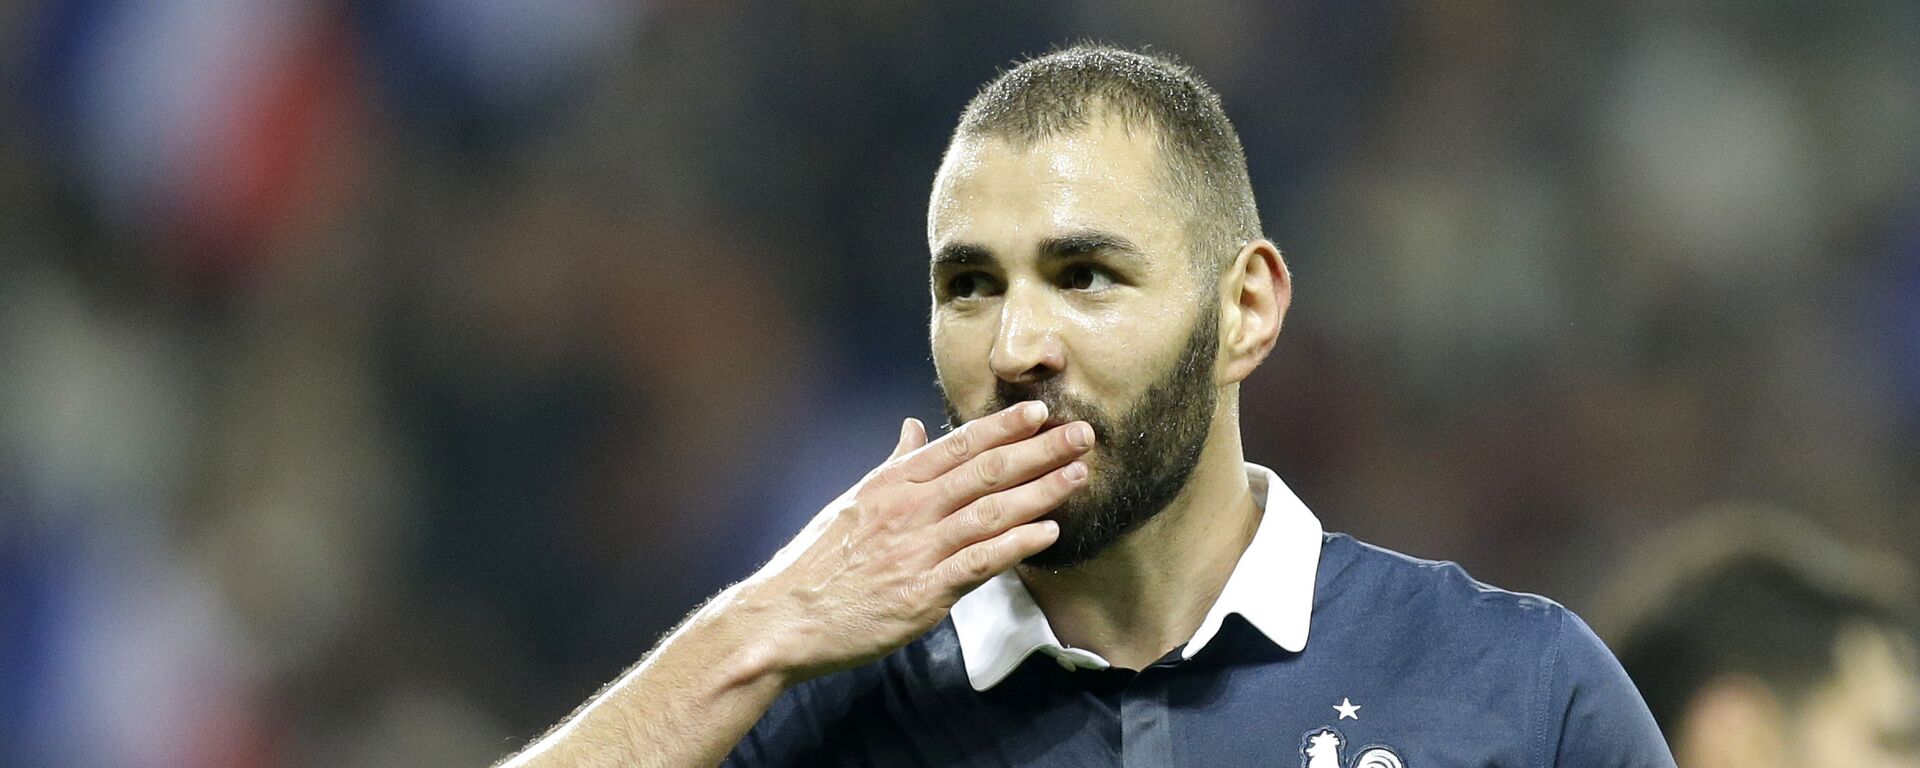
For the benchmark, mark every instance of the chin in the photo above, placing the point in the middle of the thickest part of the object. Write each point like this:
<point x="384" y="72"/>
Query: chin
<point x="1087" y="528"/>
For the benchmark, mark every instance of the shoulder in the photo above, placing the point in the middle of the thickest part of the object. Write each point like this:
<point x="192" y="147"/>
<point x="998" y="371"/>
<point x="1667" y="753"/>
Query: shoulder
<point x="1361" y="578"/>
<point x="1434" y="621"/>
<point x="1438" y="600"/>
<point x="1428" y="625"/>
<point x="1443" y="623"/>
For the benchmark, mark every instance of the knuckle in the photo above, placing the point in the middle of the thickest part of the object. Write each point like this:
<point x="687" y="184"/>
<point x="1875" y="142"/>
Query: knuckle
<point x="979" y="562"/>
<point x="987" y="514"/>
<point x="959" y="444"/>
<point x="991" y="469"/>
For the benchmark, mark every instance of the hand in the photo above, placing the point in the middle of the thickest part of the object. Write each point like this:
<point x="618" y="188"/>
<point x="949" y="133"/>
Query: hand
<point x="887" y="560"/>
<point x="874" y="570"/>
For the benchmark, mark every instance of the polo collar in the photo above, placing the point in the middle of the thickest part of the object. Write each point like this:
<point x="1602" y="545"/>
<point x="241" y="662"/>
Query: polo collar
<point x="1271" y="587"/>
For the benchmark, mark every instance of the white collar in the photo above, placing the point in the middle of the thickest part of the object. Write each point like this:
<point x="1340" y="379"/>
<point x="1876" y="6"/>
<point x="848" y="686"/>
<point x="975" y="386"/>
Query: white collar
<point x="1271" y="586"/>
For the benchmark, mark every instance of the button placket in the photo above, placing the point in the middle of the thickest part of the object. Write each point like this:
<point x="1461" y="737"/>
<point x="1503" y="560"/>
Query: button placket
<point x="1146" y="728"/>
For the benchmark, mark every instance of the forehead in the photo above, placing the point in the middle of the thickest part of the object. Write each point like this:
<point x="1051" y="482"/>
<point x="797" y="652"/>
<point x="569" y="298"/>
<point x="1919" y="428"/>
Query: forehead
<point x="1106" y="177"/>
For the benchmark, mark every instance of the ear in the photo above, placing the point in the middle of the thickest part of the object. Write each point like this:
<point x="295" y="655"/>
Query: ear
<point x="1255" y="294"/>
<point x="1733" y="720"/>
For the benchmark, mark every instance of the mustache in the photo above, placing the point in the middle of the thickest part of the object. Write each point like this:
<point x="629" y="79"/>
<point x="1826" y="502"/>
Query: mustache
<point x="1006" y="393"/>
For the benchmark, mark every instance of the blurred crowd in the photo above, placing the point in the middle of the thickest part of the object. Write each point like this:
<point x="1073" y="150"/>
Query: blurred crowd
<point x="379" y="378"/>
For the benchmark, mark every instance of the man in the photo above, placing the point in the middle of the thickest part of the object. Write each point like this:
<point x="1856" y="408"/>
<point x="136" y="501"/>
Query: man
<point x="1085" y="571"/>
<point x="1773" y="652"/>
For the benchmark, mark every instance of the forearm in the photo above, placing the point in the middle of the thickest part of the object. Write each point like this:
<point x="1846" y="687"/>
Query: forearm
<point x="877" y="568"/>
<point x="686" y="704"/>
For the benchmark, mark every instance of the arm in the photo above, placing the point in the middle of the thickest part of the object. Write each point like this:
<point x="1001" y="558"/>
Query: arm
<point x="877" y="568"/>
<point x="685" y="703"/>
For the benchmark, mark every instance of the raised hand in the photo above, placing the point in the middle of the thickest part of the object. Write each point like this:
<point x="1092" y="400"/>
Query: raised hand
<point x="875" y="569"/>
<point x="886" y="561"/>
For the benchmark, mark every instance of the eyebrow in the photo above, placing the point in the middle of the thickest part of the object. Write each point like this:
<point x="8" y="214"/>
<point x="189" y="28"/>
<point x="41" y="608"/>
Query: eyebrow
<point x="1086" y="244"/>
<point x="1051" y="249"/>
<point x="962" y="255"/>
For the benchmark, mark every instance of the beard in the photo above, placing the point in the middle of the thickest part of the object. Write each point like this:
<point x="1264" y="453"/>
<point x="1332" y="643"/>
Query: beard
<point x="1142" y="458"/>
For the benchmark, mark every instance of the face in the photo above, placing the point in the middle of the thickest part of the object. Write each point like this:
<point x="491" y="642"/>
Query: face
<point x="1062" y="273"/>
<point x="1868" y="714"/>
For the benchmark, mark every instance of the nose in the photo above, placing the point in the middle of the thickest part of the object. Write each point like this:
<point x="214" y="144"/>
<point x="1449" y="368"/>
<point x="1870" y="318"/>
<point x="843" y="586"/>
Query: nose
<point x="1027" y="348"/>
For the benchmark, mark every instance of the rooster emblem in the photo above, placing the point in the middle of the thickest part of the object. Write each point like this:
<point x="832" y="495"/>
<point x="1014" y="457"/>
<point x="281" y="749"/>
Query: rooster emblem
<point x="1322" y="750"/>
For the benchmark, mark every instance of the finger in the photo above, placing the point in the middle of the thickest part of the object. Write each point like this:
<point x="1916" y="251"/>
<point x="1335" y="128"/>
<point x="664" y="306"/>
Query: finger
<point x="971" y="567"/>
<point x="913" y="434"/>
<point x="956" y="447"/>
<point x="1010" y="465"/>
<point x="993" y="514"/>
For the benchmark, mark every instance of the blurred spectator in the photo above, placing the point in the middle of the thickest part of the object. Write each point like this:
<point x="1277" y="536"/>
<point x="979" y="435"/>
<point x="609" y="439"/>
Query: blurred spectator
<point x="1765" y="645"/>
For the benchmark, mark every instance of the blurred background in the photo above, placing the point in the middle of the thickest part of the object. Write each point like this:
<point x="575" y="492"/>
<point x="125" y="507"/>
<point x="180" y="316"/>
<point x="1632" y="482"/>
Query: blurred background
<point x="379" y="378"/>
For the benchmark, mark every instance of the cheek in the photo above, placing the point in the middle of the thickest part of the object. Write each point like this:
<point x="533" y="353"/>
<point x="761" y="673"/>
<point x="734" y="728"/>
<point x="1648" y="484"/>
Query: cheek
<point x="959" y="353"/>
<point x="1118" y="351"/>
<point x="1833" y="733"/>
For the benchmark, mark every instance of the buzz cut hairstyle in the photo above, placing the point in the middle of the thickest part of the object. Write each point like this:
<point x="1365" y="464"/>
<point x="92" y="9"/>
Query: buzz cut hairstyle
<point x="1203" y="165"/>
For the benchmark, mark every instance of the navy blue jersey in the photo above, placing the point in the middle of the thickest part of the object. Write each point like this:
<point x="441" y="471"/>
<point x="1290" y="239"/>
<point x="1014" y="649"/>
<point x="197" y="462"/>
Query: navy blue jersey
<point x="1411" y="663"/>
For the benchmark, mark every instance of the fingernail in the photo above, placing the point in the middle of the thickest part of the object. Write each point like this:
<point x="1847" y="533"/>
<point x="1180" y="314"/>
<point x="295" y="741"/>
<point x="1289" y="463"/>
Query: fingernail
<point x="1075" y="471"/>
<point x="1034" y="411"/>
<point x="1081" y="435"/>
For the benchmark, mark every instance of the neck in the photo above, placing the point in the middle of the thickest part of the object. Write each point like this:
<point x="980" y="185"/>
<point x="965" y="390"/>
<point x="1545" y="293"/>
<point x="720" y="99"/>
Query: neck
<point x="1148" y="593"/>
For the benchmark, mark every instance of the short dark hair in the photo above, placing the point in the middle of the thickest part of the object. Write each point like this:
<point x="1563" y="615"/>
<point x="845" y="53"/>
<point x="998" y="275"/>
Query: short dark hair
<point x="1754" y="614"/>
<point x="1061" y="92"/>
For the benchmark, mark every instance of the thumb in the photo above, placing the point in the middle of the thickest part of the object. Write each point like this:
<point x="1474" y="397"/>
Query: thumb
<point x="913" y="434"/>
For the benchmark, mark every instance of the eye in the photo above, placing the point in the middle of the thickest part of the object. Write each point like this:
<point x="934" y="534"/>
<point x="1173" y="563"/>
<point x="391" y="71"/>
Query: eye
<point x="1086" y="277"/>
<point x="967" y="285"/>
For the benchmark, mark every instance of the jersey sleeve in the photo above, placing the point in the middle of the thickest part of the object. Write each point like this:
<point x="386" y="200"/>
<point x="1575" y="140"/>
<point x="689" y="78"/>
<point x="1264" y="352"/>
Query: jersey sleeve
<point x="785" y="736"/>
<point x="1594" y="717"/>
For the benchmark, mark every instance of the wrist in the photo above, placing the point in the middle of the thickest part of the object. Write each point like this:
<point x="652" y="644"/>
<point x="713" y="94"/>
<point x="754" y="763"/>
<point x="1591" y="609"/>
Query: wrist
<point x="755" y="640"/>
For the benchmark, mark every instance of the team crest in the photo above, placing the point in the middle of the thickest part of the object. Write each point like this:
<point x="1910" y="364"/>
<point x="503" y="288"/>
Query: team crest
<point x="1321" y="749"/>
